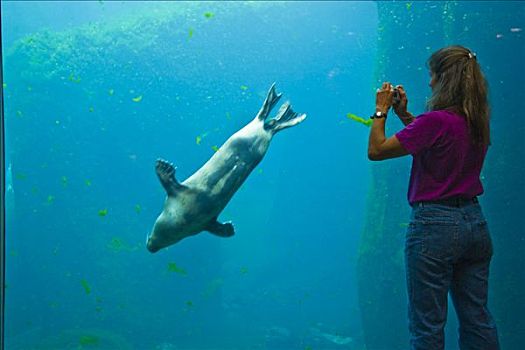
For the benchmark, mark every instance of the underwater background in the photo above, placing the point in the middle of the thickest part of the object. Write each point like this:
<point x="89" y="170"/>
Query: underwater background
<point x="96" y="91"/>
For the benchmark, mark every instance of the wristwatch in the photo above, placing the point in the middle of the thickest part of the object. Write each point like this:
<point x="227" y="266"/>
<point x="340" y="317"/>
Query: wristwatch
<point x="378" y="115"/>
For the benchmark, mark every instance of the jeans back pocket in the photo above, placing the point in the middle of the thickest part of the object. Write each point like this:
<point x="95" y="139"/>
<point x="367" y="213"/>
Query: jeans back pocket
<point x="439" y="239"/>
<point x="435" y="228"/>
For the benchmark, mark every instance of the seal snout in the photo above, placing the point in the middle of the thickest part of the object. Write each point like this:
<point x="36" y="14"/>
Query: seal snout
<point x="152" y="247"/>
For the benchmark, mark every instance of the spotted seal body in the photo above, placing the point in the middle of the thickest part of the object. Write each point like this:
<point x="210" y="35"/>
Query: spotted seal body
<point x="194" y="205"/>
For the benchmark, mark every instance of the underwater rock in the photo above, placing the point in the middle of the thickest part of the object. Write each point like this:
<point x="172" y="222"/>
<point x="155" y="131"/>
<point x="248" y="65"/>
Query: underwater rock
<point x="278" y="332"/>
<point x="328" y="339"/>
<point x="165" y="346"/>
<point x="278" y="337"/>
<point x="73" y="339"/>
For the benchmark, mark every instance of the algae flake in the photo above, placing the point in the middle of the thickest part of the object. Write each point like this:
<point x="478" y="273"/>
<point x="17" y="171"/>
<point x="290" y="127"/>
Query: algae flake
<point x="86" y="286"/>
<point x="172" y="267"/>
<point x="354" y="117"/>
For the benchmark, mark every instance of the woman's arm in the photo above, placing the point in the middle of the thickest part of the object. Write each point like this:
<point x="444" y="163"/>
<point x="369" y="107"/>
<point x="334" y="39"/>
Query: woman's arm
<point x="406" y="118"/>
<point x="401" y="107"/>
<point x="379" y="147"/>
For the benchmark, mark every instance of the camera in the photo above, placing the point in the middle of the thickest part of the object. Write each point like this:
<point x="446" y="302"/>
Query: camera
<point x="396" y="97"/>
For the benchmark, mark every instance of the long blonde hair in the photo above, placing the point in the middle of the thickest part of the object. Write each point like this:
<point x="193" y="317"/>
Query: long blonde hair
<point x="460" y="86"/>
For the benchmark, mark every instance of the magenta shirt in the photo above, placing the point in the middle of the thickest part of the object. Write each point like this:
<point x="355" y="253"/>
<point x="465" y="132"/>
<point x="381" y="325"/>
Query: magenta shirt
<point x="445" y="163"/>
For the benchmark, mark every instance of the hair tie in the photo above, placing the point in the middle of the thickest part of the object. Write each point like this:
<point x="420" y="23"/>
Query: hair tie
<point x="471" y="55"/>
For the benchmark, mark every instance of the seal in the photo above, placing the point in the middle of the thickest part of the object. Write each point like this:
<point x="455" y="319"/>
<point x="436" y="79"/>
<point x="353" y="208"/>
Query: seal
<point x="194" y="205"/>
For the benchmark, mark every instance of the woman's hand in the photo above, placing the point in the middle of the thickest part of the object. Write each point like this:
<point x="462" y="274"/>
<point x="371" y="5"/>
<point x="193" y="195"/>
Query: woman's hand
<point x="384" y="97"/>
<point x="401" y="107"/>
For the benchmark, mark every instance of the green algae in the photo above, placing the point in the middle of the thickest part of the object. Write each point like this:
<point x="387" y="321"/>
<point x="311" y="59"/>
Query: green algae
<point x="172" y="267"/>
<point x="80" y="339"/>
<point x="85" y="285"/>
<point x="366" y="122"/>
<point x="89" y="340"/>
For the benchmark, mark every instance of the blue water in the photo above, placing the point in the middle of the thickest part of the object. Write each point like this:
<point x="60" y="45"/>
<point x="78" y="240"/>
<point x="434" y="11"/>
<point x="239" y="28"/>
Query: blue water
<point x="97" y="91"/>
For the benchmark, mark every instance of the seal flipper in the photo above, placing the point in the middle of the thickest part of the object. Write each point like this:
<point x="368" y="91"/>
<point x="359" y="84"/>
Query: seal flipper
<point x="271" y="100"/>
<point x="221" y="230"/>
<point x="166" y="173"/>
<point x="285" y="118"/>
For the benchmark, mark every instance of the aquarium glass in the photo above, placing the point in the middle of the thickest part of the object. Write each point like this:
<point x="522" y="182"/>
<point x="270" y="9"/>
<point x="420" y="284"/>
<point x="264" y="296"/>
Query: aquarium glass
<point x="96" y="91"/>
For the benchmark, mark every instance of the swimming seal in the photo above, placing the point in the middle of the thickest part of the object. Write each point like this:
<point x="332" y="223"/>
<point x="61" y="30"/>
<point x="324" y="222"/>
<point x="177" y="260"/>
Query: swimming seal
<point x="194" y="205"/>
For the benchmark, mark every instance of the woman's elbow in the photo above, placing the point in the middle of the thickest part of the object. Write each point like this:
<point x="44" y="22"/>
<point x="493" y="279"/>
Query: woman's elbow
<point x="374" y="155"/>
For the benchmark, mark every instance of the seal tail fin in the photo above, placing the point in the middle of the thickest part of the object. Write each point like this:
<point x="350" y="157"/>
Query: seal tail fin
<point x="271" y="100"/>
<point x="285" y="118"/>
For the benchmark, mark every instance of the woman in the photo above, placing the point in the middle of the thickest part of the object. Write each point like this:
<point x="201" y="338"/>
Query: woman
<point x="448" y="246"/>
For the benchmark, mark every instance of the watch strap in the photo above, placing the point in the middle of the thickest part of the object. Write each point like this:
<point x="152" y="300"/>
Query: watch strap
<point x="378" y="115"/>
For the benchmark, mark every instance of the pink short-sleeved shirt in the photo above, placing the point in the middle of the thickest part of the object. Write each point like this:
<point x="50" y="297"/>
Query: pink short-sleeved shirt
<point x="445" y="162"/>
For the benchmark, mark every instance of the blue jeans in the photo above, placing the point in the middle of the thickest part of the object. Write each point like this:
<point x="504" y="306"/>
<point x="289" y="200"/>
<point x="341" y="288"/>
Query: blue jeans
<point x="448" y="249"/>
